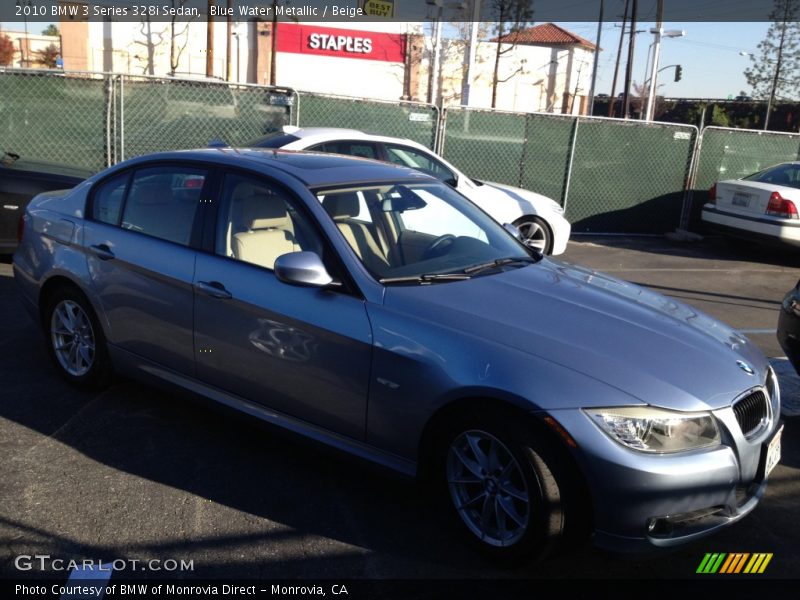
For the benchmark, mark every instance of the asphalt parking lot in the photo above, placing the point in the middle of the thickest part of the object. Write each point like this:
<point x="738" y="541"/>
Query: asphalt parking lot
<point x="133" y="472"/>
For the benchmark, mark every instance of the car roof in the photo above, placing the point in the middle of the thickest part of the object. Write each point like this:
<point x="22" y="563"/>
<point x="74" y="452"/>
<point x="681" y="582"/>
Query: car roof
<point x="314" y="169"/>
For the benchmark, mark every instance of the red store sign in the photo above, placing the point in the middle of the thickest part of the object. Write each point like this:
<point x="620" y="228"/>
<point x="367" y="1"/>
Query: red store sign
<point x="344" y="43"/>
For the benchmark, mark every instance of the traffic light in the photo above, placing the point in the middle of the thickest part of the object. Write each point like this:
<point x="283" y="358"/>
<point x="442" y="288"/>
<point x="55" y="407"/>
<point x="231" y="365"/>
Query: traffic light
<point x="678" y="72"/>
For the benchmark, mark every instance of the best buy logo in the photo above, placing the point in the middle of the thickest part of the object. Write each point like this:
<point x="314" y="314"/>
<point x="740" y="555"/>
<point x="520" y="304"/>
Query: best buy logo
<point x="735" y="562"/>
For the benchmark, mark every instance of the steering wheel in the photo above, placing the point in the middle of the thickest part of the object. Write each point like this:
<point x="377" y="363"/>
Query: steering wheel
<point x="438" y="246"/>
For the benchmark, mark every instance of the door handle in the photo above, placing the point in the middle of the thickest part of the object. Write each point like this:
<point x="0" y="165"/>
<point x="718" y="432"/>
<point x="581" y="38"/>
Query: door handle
<point x="214" y="289"/>
<point x="102" y="251"/>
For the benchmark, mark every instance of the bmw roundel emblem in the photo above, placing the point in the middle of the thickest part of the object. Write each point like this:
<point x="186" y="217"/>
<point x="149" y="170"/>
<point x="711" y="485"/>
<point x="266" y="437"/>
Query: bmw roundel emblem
<point x="745" y="367"/>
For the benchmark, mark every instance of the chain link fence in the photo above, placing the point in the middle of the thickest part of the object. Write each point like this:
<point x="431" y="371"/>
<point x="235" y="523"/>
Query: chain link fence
<point x="628" y="176"/>
<point x="725" y="153"/>
<point x="169" y="114"/>
<point x="415" y="121"/>
<point x="52" y="117"/>
<point x="610" y="175"/>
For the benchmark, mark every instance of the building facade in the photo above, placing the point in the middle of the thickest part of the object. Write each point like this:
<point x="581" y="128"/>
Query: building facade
<point x="544" y="68"/>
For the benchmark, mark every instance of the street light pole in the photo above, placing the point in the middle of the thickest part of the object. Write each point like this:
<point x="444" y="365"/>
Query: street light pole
<point x="653" y="89"/>
<point x="470" y="54"/>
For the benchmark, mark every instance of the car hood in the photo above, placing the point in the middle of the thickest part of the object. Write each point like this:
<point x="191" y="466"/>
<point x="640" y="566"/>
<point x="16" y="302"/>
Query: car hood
<point x="660" y="351"/>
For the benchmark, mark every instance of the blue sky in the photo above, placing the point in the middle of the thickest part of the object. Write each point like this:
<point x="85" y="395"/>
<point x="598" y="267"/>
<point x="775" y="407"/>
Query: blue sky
<point x="709" y="55"/>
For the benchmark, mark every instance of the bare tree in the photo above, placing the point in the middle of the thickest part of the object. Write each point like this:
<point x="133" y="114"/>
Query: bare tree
<point x="176" y="49"/>
<point x="146" y="30"/>
<point x="512" y="16"/>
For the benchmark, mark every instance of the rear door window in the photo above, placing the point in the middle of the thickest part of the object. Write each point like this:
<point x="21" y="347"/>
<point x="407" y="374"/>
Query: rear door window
<point x="163" y="202"/>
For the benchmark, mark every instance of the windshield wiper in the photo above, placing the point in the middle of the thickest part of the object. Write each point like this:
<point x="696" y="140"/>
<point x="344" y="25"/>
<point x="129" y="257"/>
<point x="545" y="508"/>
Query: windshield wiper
<point x="498" y="262"/>
<point x="425" y="278"/>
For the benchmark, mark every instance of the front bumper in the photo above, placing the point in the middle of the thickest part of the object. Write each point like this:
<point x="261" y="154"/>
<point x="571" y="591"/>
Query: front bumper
<point x="561" y="232"/>
<point x="642" y="502"/>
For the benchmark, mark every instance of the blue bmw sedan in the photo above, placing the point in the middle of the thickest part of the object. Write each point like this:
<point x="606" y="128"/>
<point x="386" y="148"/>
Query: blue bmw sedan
<point x="374" y="309"/>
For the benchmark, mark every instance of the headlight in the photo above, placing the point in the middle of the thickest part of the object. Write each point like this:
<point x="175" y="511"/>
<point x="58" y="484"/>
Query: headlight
<point x="648" y="429"/>
<point x="557" y="208"/>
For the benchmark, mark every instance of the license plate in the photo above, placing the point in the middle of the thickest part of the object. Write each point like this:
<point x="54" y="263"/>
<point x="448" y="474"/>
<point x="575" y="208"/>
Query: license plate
<point x="773" y="453"/>
<point x="740" y="199"/>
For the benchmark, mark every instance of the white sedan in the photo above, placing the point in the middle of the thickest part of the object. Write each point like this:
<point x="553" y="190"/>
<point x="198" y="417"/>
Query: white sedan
<point x="762" y="206"/>
<point x="539" y="218"/>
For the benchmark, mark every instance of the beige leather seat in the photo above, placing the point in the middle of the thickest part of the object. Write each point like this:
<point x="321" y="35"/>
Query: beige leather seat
<point x="343" y="208"/>
<point x="269" y="231"/>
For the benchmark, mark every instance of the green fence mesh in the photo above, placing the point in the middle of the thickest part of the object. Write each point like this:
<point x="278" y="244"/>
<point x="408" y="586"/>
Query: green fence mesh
<point x="54" y="118"/>
<point x="628" y="177"/>
<point x="410" y="120"/>
<point x="613" y="176"/>
<point x="547" y="150"/>
<point x="165" y="114"/>
<point x="485" y="145"/>
<point x="734" y="153"/>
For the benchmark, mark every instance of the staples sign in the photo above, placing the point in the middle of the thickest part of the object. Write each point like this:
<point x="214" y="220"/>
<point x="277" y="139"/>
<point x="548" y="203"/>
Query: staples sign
<point x="343" y="43"/>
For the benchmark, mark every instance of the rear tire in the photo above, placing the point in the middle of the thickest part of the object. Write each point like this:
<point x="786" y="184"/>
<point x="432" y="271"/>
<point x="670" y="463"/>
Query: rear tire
<point x="501" y="486"/>
<point x="75" y="340"/>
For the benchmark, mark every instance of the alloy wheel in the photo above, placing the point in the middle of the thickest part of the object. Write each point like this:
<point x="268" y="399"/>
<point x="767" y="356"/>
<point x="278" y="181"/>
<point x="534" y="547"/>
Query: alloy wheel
<point x="488" y="488"/>
<point x="72" y="337"/>
<point x="534" y="235"/>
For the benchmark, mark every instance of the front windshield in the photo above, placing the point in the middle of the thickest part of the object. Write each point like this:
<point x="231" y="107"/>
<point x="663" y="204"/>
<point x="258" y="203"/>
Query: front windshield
<point x="416" y="229"/>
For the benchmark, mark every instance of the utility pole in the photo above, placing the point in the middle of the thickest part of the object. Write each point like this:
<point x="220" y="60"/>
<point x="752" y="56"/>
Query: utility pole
<point x="273" y="50"/>
<point x="613" y="97"/>
<point x="210" y="42"/>
<point x="626" y="103"/>
<point x="651" y="95"/>
<point x="469" y="55"/>
<point x="228" y="32"/>
<point x="596" y="60"/>
<point x="436" y="43"/>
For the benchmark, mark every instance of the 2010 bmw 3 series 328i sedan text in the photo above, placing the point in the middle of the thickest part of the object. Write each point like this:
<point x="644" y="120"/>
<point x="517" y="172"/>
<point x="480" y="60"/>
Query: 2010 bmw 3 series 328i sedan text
<point x="373" y="308"/>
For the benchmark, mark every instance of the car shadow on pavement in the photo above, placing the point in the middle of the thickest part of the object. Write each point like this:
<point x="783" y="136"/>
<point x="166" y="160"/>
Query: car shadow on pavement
<point x="135" y="471"/>
<point x="710" y="248"/>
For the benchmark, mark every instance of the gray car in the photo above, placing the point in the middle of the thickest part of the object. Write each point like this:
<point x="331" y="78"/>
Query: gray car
<point x="375" y="309"/>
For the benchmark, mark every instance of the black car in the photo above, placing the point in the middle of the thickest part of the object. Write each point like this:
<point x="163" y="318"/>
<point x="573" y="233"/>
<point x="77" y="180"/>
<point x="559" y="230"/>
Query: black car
<point x="789" y="326"/>
<point x="21" y="180"/>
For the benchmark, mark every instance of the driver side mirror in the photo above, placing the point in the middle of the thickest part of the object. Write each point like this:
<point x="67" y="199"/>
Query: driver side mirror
<point x="451" y="181"/>
<point x="302" y="268"/>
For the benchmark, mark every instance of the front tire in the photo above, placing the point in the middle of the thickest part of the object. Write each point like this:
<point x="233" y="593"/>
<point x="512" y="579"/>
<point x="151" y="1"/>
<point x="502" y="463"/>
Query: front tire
<point x="500" y="484"/>
<point x="75" y="340"/>
<point x="535" y="233"/>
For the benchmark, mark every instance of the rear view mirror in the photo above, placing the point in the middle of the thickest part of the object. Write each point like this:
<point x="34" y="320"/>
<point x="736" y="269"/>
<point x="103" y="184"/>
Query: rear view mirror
<point x="400" y="199"/>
